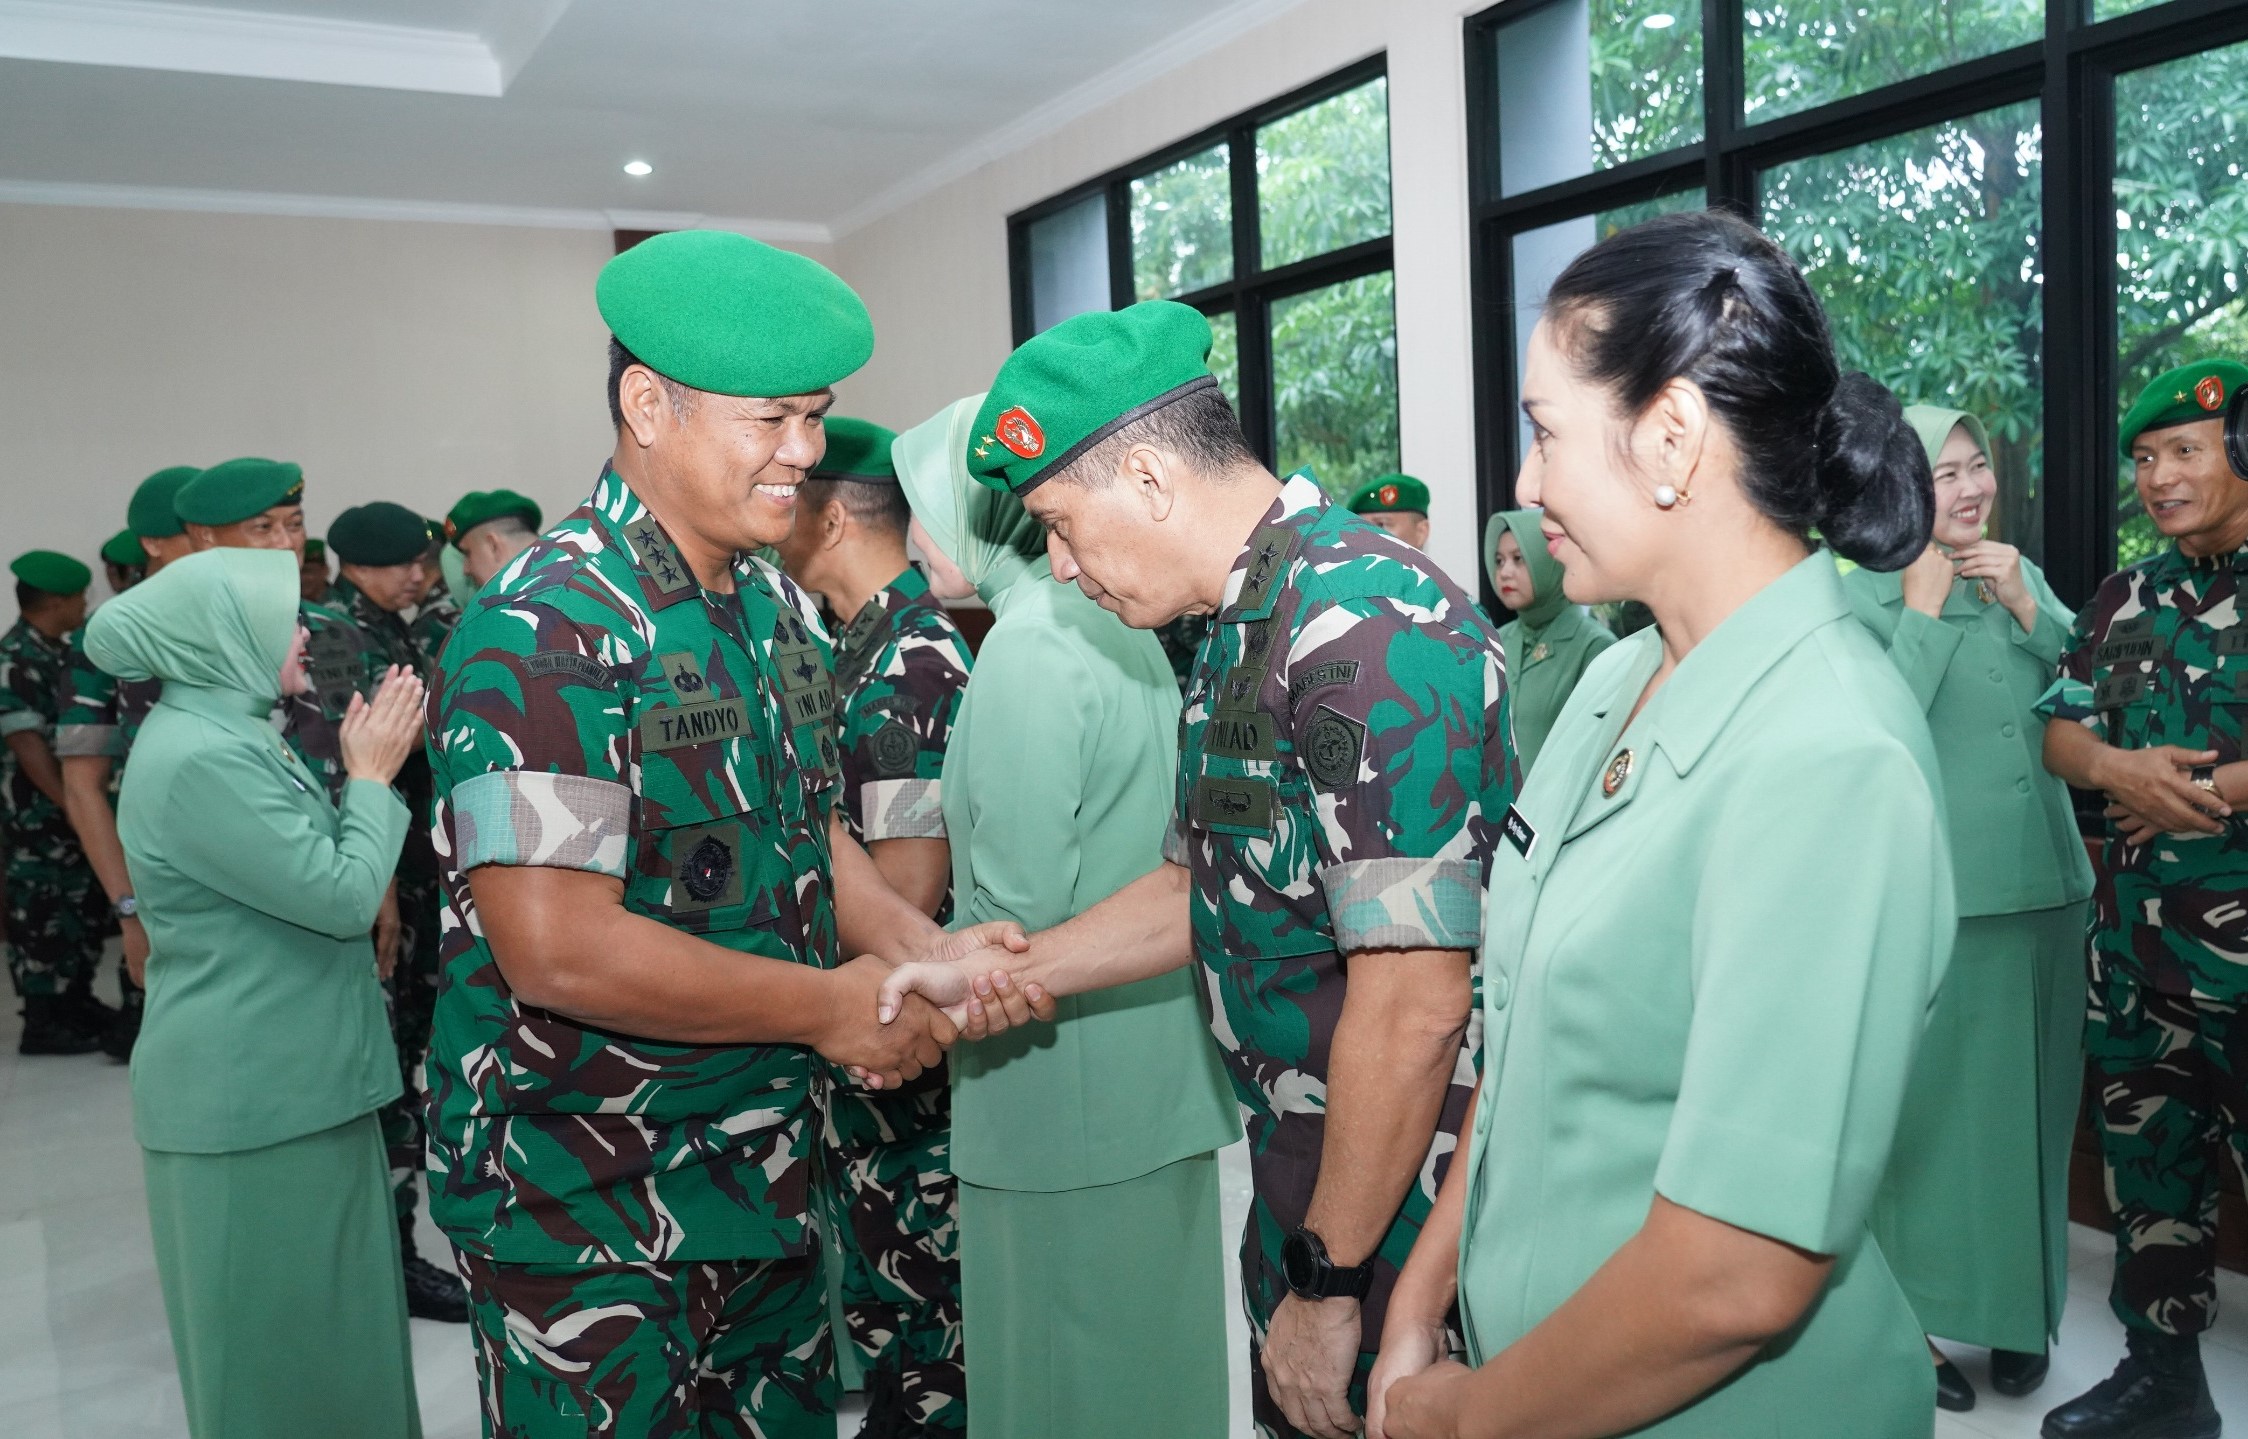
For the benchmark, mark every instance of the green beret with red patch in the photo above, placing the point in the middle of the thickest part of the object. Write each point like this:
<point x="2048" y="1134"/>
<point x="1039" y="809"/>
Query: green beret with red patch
<point x="2184" y="396"/>
<point x="1389" y="494"/>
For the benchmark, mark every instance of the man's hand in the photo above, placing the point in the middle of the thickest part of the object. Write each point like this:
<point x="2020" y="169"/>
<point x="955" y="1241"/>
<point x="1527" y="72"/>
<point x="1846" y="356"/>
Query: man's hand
<point x="1427" y="1405"/>
<point x="388" y="932"/>
<point x="2152" y="790"/>
<point x="135" y="939"/>
<point x="882" y="1053"/>
<point x="1407" y="1349"/>
<point x="1927" y="581"/>
<point x="1310" y="1351"/>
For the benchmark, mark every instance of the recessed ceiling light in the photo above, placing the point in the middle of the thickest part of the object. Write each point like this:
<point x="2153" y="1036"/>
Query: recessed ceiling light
<point x="637" y="168"/>
<point x="1659" y="22"/>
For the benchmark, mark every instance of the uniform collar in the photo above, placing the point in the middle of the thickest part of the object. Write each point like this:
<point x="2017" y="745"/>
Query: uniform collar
<point x="1888" y="588"/>
<point x="665" y="578"/>
<point x="1263" y="562"/>
<point x="2174" y="564"/>
<point x="31" y="632"/>
<point x="886" y="604"/>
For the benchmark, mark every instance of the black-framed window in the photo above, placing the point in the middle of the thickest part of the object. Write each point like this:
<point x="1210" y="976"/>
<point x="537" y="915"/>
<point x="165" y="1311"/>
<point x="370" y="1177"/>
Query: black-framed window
<point x="2023" y="208"/>
<point x="1276" y="225"/>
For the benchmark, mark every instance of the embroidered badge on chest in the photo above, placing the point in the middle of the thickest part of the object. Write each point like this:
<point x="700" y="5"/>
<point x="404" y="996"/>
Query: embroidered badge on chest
<point x="685" y="673"/>
<point x="1333" y="748"/>
<point x="708" y="868"/>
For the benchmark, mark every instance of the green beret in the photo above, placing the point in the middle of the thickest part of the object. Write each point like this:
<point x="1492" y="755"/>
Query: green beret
<point x="316" y="550"/>
<point x="2182" y="396"/>
<point x="52" y="573"/>
<point x="857" y="450"/>
<point x="380" y="533"/>
<point x="150" y="514"/>
<point x="123" y="550"/>
<point x="237" y="490"/>
<point x="479" y="506"/>
<point x="722" y="312"/>
<point x="1389" y="494"/>
<point x="1072" y="387"/>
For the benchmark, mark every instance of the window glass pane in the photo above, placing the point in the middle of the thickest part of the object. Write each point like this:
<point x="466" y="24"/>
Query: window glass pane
<point x="1924" y="249"/>
<point x="1801" y="53"/>
<point x="1585" y="85"/>
<point x="1069" y="263"/>
<point x="2181" y="242"/>
<point x="1334" y="381"/>
<point x="2109" y="9"/>
<point x="1225" y="355"/>
<point x="1182" y="226"/>
<point x="1539" y="257"/>
<point x="1323" y="176"/>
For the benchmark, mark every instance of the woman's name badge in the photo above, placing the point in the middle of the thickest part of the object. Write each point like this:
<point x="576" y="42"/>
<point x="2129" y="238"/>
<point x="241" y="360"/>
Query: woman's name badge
<point x="1518" y="832"/>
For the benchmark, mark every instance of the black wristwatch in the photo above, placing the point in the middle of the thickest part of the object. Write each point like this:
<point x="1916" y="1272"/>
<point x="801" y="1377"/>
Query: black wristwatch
<point x="1312" y="1275"/>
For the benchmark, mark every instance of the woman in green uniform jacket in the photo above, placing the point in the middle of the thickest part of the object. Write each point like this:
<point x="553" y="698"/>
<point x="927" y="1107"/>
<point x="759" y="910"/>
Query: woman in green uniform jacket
<point x="1719" y="917"/>
<point x="1092" y="1271"/>
<point x="1974" y="1214"/>
<point x="1549" y="641"/>
<point x="264" y="1053"/>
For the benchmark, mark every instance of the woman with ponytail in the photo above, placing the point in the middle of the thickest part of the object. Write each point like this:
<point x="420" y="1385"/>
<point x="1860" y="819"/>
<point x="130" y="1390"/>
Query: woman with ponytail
<point x="1723" y="907"/>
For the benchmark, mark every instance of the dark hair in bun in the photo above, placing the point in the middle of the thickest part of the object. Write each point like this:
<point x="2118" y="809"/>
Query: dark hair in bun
<point x="1707" y="297"/>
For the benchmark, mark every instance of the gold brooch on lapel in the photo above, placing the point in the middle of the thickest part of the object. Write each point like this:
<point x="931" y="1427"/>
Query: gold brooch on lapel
<point x="1619" y="770"/>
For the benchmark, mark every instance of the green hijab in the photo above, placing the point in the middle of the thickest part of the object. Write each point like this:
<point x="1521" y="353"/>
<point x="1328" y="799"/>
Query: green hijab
<point x="219" y="620"/>
<point x="1545" y="570"/>
<point x="986" y="532"/>
<point x="1934" y="426"/>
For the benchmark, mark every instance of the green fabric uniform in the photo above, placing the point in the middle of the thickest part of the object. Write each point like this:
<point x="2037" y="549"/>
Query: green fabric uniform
<point x="1686" y="995"/>
<point x="434" y="619"/>
<point x="599" y="710"/>
<point x="1388" y="495"/>
<point x="1549" y="643"/>
<point x="1974" y="1213"/>
<point x="58" y="915"/>
<point x="263" y="1053"/>
<point x="900" y="668"/>
<point x="1090" y="1255"/>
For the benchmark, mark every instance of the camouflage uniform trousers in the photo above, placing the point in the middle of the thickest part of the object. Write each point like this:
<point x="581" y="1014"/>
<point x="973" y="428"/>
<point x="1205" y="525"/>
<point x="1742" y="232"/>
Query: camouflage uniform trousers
<point x="899" y="1225"/>
<point x="707" y="1349"/>
<point x="58" y="914"/>
<point x="2173" y="1104"/>
<point x="411" y="995"/>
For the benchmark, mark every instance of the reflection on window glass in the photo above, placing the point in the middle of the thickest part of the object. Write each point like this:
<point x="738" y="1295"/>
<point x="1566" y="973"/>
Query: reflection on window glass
<point x="1334" y="381"/>
<point x="2109" y="9"/>
<point x="1801" y="53"/>
<point x="1225" y="355"/>
<point x="1539" y="257"/>
<point x="1924" y="248"/>
<point x="1589" y="84"/>
<point x="1069" y="263"/>
<point x="1323" y="176"/>
<point x="2181" y="242"/>
<point x="1182" y="227"/>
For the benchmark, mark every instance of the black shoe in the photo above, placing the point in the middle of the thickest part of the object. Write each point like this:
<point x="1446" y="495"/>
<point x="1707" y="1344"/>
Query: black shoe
<point x="2157" y="1392"/>
<point x="47" y="1028"/>
<point x="2014" y="1373"/>
<point x="84" y="1012"/>
<point x="1953" y="1392"/>
<point x="431" y="1293"/>
<point x="117" y="1042"/>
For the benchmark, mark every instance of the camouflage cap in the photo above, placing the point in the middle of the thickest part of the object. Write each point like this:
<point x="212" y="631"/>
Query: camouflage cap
<point x="51" y="573"/>
<point x="721" y="312"/>
<point x="1072" y="387"/>
<point x="229" y="493"/>
<point x="479" y="507"/>
<point x="2182" y="396"/>
<point x="857" y="450"/>
<point x="380" y="533"/>
<point x="150" y="513"/>
<point x="1387" y="494"/>
<point x="123" y="550"/>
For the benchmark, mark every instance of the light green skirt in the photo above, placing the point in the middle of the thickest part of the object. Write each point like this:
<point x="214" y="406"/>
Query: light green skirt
<point x="1096" y="1312"/>
<point x="281" y="1281"/>
<point x="1973" y="1214"/>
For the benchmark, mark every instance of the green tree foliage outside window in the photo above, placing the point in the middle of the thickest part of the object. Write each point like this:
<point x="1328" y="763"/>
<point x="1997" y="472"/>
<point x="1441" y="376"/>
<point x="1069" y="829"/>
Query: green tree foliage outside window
<point x="1646" y="78"/>
<point x="1182" y="226"/>
<point x="1225" y="354"/>
<point x="1802" y="53"/>
<point x="1334" y="381"/>
<point x="2181" y="219"/>
<point x="1323" y="176"/>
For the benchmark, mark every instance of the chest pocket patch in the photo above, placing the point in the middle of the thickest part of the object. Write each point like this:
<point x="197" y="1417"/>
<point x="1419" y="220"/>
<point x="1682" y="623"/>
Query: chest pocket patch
<point x="333" y="662"/>
<point x="1232" y="806"/>
<point x="708" y="864"/>
<point x="1240" y="734"/>
<point x="2116" y="691"/>
<point x="2232" y="642"/>
<point x="670" y="727"/>
<point x="2131" y="641"/>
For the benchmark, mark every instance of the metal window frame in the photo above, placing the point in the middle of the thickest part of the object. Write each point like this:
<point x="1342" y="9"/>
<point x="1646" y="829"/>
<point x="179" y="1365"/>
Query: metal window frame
<point x="1251" y="292"/>
<point x="2071" y="72"/>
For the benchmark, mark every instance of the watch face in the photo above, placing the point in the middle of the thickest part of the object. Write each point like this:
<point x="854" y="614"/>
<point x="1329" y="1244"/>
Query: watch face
<point x="1296" y="1264"/>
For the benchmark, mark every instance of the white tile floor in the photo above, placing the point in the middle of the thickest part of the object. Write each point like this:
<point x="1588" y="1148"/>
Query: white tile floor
<point x="84" y="1353"/>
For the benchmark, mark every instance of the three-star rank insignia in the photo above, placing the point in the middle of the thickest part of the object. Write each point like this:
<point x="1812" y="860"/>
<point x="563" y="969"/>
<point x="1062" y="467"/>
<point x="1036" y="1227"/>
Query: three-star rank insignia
<point x="2210" y="393"/>
<point x="1020" y="433"/>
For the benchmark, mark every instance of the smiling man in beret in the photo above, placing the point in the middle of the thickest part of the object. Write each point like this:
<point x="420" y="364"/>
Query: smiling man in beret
<point x="651" y="903"/>
<point x="1397" y="503"/>
<point x="1345" y="764"/>
<point x="57" y="915"/>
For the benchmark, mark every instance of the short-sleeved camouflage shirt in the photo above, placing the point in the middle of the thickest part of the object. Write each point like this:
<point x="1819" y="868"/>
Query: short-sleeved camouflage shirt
<point x="598" y="710"/>
<point x="900" y="669"/>
<point x="434" y="620"/>
<point x="2160" y="656"/>
<point x="33" y="671"/>
<point x="97" y="713"/>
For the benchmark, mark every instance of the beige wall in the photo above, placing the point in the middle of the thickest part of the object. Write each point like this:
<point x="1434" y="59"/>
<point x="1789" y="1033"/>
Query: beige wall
<point x="398" y="361"/>
<point x="935" y="273"/>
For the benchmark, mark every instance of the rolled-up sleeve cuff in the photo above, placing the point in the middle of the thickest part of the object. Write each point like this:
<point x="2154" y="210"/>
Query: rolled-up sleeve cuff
<point x="1401" y="903"/>
<point x="1174" y="845"/>
<point x="902" y="809"/>
<point x="2066" y="698"/>
<point x="17" y="721"/>
<point x="78" y="740"/>
<point x="554" y="821"/>
<point x="1767" y="1182"/>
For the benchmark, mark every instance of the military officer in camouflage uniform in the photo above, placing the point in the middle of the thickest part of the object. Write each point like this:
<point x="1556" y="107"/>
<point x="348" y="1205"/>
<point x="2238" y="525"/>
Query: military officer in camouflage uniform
<point x="2149" y="708"/>
<point x="1344" y="768"/>
<point x="57" y="913"/>
<point x="489" y="528"/>
<point x="312" y="572"/>
<point x="647" y="901"/>
<point x="900" y="669"/>
<point x="1396" y="503"/>
<point x="95" y="722"/>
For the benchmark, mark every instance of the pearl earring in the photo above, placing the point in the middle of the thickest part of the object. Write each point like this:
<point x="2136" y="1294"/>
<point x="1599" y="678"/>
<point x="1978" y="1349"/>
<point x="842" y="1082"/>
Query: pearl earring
<point x="1666" y="496"/>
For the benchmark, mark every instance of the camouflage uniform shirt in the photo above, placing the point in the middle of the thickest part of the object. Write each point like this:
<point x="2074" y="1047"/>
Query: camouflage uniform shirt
<point x="97" y="713"/>
<point x="599" y="710"/>
<point x="2160" y="656"/>
<point x="33" y="674"/>
<point x="900" y="669"/>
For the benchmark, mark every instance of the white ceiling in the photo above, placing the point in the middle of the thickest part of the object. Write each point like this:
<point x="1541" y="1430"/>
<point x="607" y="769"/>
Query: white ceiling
<point x="802" y="118"/>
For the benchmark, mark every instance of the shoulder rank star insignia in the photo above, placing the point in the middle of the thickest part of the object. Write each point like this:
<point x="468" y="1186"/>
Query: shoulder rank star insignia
<point x="983" y="446"/>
